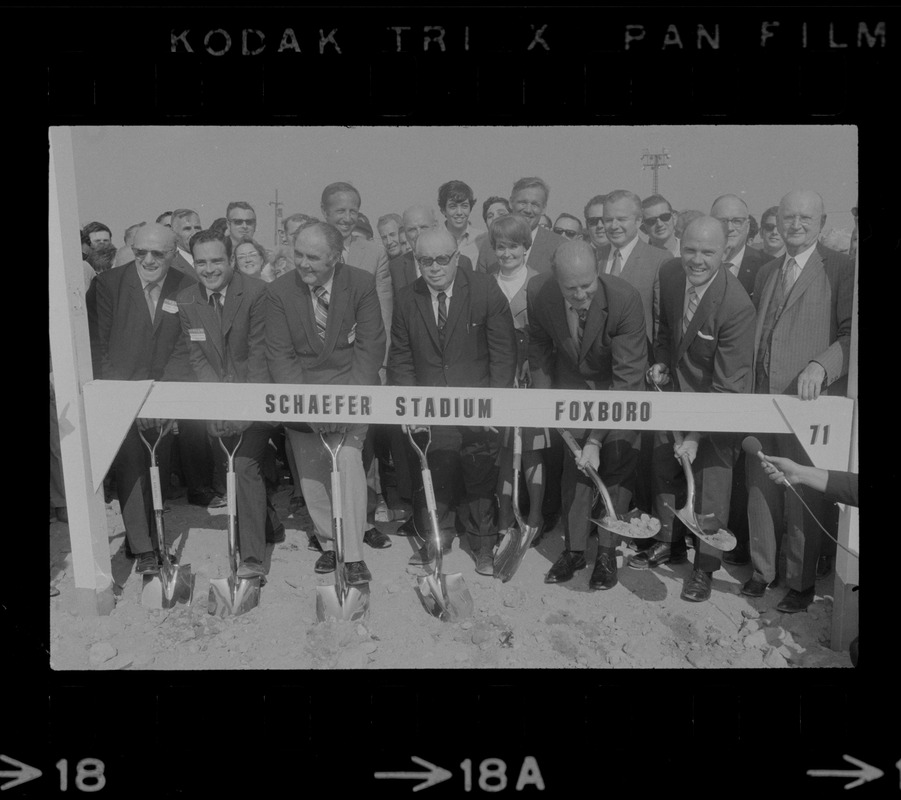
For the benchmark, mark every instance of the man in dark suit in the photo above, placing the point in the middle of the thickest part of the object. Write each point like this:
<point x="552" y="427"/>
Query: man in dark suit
<point x="324" y="326"/>
<point x="223" y="319"/>
<point x="704" y="343"/>
<point x="587" y="331"/>
<point x="801" y="346"/>
<point x="134" y="327"/>
<point x="529" y="197"/>
<point x="742" y="261"/>
<point x="185" y="223"/>
<point x="453" y="327"/>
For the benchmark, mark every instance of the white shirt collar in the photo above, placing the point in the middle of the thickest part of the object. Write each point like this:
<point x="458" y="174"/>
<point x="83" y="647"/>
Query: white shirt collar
<point x="626" y="251"/>
<point x="327" y="286"/>
<point x="701" y="290"/>
<point x="802" y="257"/>
<point x="449" y="291"/>
<point x="736" y="261"/>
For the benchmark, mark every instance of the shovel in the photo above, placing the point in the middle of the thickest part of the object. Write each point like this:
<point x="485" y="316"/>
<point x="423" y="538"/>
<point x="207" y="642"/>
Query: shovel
<point x="705" y="526"/>
<point x="444" y="596"/>
<point x="232" y="596"/>
<point x="633" y="524"/>
<point x="174" y="583"/>
<point x="339" y="601"/>
<point x="516" y="543"/>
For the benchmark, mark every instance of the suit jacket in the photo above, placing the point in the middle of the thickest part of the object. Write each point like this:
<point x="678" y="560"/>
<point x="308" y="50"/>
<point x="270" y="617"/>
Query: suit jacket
<point x="540" y="253"/>
<point x="613" y="353"/>
<point x="640" y="270"/>
<point x="125" y="345"/>
<point x="182" y="264"/>
<point x="715" y="353"/>
<point x="519" y="310"/>
<point x="230" y="350"/>
<point x="479" y="342"/>
<point x="751" y="262"/>
<point x="354" y="346"/>
<point x="371" y="257"/>
<point x="815" y="324"/>
<point x="403" y="270"/>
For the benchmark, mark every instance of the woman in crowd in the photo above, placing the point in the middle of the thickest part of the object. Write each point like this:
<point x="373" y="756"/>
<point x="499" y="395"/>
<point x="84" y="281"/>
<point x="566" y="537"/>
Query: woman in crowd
<point x="252" y="259"/>
<point x="510" y="237"/>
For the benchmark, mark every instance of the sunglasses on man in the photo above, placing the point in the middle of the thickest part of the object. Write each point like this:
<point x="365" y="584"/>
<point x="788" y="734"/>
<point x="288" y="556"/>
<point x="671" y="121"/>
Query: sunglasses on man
<point x="245" y="222"/>
<point x="651" y="221"/>
<point x="566" y="232"/>
<point x="427" y="261"/>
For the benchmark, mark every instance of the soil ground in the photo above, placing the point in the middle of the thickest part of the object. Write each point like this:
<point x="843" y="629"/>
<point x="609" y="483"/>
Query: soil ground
<point x="640" y="623"/>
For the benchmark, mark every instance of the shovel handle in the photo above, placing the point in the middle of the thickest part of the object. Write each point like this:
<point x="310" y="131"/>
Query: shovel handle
<point x="167" y="426"/>
<point x="420" y="451"/>
<point x="592" y="472"/>
<point x="517" y="449"/>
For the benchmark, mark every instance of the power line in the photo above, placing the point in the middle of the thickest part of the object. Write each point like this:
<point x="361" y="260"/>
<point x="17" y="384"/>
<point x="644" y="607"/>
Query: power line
<point x="655" y="161"/>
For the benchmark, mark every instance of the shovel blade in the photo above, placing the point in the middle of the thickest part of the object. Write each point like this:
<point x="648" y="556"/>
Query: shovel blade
<point x="445" y="596"/>
<point x="232" y="597"/>
<point x="177" y="585"/>
<point x="632" y="525"/>
<point x="707" y="529"/>
<point x="355" y="605"/>
<point x="510" y="555"/>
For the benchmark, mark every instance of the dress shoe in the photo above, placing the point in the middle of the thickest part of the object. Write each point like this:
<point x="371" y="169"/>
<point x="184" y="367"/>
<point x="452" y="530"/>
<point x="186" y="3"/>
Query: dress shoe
<point x="738" y="556"/>
<point x="376" y="539"/>
<point x="565" y="567"/>
<point x="794" y="601"/>
<point x="426" y="555"/>
<point x="603" y="576"/>
<point x="147" y="564"/>
<point x="250" y="568"/>
<point x="697" y="587"/>
<point x="408" y="528"/>
<point x="313" y="544"/>
<point x="485" y="564"/>
<point x="63" y="516"/>
<point x="325" y="563"/>
<point x="659" y="553"/>
<point x="356" y="573"/>
<point x="217" y="501"/>
<point x="824" y="563"/>
<point x="754" y="587"/>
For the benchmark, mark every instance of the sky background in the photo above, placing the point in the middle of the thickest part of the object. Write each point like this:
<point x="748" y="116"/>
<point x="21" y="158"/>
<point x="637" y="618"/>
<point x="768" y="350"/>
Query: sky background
<point x="128" y="174"/>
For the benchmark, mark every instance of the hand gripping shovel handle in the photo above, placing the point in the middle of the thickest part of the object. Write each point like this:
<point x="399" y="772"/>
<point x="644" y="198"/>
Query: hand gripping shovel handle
<point x="592" y="472"/>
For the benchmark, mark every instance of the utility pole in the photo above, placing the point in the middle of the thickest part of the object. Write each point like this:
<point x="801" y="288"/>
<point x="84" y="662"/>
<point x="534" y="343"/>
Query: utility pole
<point x="655" y="161"/>
<point x="278" y="216"/>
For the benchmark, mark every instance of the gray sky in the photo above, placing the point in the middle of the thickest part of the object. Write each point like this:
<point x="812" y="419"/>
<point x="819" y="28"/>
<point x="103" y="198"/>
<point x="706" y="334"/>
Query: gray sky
<point x="128" y="174"/>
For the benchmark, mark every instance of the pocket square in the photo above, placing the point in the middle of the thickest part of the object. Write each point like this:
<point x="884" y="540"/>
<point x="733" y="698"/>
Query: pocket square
<point x="705" y="336"/>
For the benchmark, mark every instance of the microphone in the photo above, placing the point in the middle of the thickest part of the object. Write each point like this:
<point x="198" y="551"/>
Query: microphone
<point x="752" y="446"/>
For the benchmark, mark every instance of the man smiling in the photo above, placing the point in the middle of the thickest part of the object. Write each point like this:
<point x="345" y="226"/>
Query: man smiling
<point x="456" y="200"/>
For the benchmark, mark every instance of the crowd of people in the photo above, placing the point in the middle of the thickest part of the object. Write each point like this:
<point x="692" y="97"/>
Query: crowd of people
<point x="630" y="293"/>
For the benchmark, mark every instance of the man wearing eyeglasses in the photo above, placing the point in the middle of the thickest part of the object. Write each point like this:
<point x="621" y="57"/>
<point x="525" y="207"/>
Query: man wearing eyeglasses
<point x="568" y="226"/>
<point x="743" y="262"/>
<point x="659" y="223"/>
<point x="529" y="198"/>
<point x="770" y="237"/>
<point x="453" y="327"/>
<point x="242" y="221"/>
<point x="801" y="347"/>
<point x="134" y="327"/>
<point x="594" y="221"/>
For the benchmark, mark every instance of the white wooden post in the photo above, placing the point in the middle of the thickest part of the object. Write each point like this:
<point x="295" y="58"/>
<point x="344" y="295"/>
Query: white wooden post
<point x="845" y="610"/>
<point x="70" y="350"/>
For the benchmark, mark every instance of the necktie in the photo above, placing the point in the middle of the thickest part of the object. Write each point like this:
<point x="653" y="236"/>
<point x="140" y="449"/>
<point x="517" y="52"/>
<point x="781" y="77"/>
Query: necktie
<point x="442" y="311"/>
<point x="692" y="307"/>
<point x="617" y="263"/>
<point x="152" y="291"/>
<point x="789" y="276"/>
<point x="321" y="310"/>
<point x="216" y="302"/>
<point x="583" y="318"/>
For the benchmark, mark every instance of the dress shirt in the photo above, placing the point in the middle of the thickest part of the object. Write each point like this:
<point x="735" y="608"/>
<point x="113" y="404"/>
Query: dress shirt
<point x="449" y="291"/>
<point x="625" y="250"/>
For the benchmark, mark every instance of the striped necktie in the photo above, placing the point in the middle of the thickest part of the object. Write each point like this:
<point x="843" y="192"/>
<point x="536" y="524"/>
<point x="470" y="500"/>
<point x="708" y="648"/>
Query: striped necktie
<point x="692" y="307"/>
<point x="790" y="272"/>
<point x="152" y="290"/>
<point x="442" y="311"/>
<point x="321" y="310"/>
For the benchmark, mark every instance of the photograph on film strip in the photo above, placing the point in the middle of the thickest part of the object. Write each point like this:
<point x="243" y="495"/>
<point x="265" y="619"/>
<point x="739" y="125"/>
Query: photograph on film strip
<point x="453" y="397"/>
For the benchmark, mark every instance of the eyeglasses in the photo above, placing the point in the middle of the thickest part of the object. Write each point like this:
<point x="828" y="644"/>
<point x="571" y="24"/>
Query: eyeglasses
<point x="805" y="221"/>
<point x="248" y="222"/>
<point x="566" y="232"/>
<point x="427" y="261"/>
<point x="592" y="221"/>
<point x="734" y="222"/>
<point x="650" y="221"/>
<point x="768" y="227"/>
<point x="158" y="255"/>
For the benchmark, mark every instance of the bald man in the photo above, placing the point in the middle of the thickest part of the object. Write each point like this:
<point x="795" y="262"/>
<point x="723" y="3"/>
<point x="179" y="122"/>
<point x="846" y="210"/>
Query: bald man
<point x="453" y="327"/>
<point x="801" y="347"/>
<point x="704" y="343"/>
<point x="134" y="326"/>
<point x="742" y="261"/>
<point x="587" y="331"/>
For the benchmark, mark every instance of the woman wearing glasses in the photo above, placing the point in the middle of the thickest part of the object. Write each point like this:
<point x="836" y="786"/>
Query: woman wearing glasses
<point x="511" y="237"/>
<point x="251" y="259"/>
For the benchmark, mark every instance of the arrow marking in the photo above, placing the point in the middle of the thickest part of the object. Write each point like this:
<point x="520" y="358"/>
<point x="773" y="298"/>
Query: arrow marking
<point x="23" y="774"/>
<point x="434" y="775"/>
<point x="863" y="775"/>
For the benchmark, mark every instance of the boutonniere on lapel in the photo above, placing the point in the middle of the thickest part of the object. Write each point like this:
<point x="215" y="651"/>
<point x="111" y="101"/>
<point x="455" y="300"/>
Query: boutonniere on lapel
<point x="352" y="335"/>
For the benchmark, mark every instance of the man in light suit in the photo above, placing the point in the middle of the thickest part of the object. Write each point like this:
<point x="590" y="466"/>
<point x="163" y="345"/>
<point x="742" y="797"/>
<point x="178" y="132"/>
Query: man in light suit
<point x="529" y="197"/>
<point x="324" y="325"/>
<point x="453" y="327"/>
<point x="587" y="331"/>
<point x="705" y="341"/>
<point x="134" y="326"/>
<point x="801" y="346"/>
<point x="223" y="320"/>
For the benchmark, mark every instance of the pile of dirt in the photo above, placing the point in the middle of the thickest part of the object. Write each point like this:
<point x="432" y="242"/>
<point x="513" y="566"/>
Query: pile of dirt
<point x="640" y="623"/>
